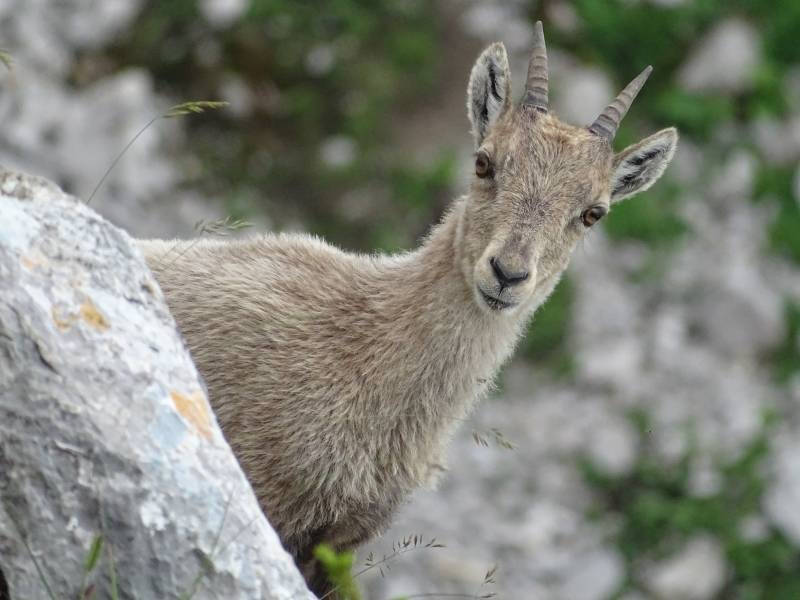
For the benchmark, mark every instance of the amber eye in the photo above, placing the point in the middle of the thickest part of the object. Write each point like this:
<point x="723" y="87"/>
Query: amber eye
<point x="483" y="166"/>
<point x="592" y="215"/>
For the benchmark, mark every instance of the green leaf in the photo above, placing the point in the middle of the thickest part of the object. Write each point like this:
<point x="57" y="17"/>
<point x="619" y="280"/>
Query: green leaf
<point x="94" y="553"/>
<point x="6" y="59"/>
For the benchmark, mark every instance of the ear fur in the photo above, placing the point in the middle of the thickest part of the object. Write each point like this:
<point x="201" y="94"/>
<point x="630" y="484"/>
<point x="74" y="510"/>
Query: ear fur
<point x="639" y="166"/>
<point x="489" y="90"/>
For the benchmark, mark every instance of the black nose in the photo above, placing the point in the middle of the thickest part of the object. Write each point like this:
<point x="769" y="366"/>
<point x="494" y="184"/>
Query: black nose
<point x="506" y="276"/>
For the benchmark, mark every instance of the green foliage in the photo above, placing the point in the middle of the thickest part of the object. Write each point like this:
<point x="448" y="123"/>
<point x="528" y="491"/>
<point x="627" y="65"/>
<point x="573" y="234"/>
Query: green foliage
<point x="338" y="566"/>
<point x="89" y="564"/>
<point x="658" y="513"/>
<point x="785" y="359"/>
<point x="651" y="218"/>
<point x="415" y="186"/>
<point x="662" y="36"/>
<point x="775" y="184"/>
<point x="690" y="112"/>
<point x="546" y="340"/>
<point x="417" y="192"/>
<point x="94" y="554"/>
<point x="341" y="71"/>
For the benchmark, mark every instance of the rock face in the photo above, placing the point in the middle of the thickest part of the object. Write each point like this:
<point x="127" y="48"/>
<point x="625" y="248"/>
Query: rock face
<point x="726" y="59"/>
<point x="697" y="572"/>
<point x="105" y="428"/>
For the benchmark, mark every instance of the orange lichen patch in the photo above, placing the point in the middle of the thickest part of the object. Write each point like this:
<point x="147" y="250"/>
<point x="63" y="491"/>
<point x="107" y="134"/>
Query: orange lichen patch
<point x="194" y="408"/>
<point x="92" y="316"/>
<point x="32" y="262"/>
<point x="62" y="319"/>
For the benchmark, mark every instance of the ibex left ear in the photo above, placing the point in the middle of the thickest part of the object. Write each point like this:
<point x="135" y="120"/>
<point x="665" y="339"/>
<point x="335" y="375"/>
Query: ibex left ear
<point x="488" y="90"/>
<point x="639" y="166"/>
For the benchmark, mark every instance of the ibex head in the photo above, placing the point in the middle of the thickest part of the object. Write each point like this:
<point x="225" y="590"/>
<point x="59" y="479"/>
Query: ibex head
<point x="539" y="183"/>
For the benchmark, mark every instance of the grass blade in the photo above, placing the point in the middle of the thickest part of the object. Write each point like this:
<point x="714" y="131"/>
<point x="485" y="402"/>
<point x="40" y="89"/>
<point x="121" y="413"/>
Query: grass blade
<point x="94" y="553"/>
<point x="28" y="548"/>
<point x="6" y="59"/>
<point x="119" y="156"/>
<point x="112" y="574"/>
<point x="187" y="108"/>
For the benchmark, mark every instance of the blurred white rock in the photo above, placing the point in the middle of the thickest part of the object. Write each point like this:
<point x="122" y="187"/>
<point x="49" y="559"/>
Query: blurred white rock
<point x="778" y="141"/>
<point x="545" y="528"/>
<point x="611" y="443"/>
<point x="91" y="23"/>
<point x="606" y="318"/>
<point x="45" y="34"/>
<point x="320" y="59"/>
<point x="783" y="496"/>
<point x="704" y="477"/>
<point x="581" y="93"/>
<point x="337" y="152"/>
<point x="506" y="21"/>
<point x="736" y="176"/>
<point x="687" y="165"/>
<point x="695" y="572"/>
<point x="237" y="94"/>
<point x="562" y="15"/>
<point x="722" y="266"/>
<point x="754" y="528"/>
<point x="222" y="13"/>
<point x="724" y="60"/>
<point x="595" y="575"/>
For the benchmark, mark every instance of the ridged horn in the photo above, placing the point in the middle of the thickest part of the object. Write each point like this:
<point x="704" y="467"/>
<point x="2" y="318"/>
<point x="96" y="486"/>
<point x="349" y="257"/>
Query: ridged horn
<point x="607" y="123"/>
<point x="536" y="93"/>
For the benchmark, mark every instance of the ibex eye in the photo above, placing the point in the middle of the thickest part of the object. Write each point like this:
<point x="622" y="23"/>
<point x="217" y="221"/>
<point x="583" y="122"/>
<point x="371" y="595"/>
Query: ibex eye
<point x="592" y="215"/>
<point x="483" y="166"/>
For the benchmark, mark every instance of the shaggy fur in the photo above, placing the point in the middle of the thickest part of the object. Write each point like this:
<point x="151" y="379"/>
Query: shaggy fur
<point x="339" y="378"/>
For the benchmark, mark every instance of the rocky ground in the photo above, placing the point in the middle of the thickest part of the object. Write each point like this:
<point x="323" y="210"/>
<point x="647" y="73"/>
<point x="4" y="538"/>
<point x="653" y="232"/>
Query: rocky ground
<point x="671" y="345"/>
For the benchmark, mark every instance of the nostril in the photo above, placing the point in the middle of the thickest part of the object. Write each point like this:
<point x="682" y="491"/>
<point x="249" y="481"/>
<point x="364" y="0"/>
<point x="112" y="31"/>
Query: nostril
<point x="498" y="270"/>
<point x="505" y="275"/>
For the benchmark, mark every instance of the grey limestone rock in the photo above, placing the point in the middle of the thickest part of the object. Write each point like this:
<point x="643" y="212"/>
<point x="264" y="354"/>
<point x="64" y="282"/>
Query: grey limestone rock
<point x="105" y="428"/>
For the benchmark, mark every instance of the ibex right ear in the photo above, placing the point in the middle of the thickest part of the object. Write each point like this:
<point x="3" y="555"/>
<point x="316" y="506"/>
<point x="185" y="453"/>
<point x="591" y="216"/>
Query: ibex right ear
<point x="489" y="90"/>
<point x="639" y="166"/>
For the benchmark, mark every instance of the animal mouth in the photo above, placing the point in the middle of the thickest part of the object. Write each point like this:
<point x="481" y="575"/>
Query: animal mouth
<point x="493" y="302"/>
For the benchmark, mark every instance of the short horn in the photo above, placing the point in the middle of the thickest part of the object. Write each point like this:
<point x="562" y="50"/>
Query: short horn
<point x="536" y="93"/>
<point x="607" y="123"/>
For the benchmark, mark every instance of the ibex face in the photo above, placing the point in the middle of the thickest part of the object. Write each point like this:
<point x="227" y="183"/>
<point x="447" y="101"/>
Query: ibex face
<point x="539" y="183"/>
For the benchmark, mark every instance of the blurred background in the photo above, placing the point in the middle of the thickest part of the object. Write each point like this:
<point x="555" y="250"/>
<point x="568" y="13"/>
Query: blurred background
<point x="654" y="406"/>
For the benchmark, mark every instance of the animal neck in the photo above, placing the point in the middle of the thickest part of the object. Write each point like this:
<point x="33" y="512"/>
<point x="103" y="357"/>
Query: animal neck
<point x="455" y="348"/>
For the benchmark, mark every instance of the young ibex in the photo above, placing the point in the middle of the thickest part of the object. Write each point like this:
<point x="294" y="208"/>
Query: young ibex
<point x="338" y="378"/>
